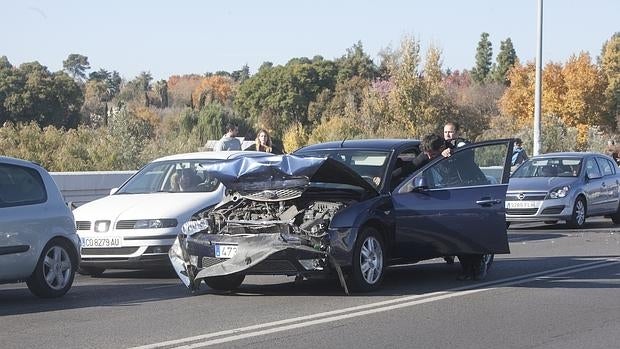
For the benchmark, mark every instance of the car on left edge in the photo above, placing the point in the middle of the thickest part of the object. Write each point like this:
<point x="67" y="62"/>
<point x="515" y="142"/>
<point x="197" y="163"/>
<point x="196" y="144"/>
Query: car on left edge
<point x="134" y="227"/>
<point x="38" y="241"/>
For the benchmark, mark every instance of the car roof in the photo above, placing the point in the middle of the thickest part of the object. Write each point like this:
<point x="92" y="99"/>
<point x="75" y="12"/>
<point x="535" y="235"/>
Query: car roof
<point x="220" y="155"/>
<point x="16" y="161"/>
<point x="566" y="154"/>
<point x="378" y="144"/>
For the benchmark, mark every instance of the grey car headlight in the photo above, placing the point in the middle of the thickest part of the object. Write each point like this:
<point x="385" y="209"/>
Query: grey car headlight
<point x="155" y="223"/>
<point x="559" y="192"/>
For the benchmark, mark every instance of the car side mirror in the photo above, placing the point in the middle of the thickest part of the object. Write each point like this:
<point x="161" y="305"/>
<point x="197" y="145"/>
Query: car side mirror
<point x="420" y="184"/>
<point x="113" y="190"/>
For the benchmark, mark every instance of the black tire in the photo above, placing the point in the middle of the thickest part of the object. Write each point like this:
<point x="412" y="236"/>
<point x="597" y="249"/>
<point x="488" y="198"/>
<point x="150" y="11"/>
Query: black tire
<point x="369" y="259"/>
<point x="616" y="216"/>
<point x="578" y="218"/>
<point x="226" y="282"/>
<point x="55" y="270"/>
<point x="92" y="271"/>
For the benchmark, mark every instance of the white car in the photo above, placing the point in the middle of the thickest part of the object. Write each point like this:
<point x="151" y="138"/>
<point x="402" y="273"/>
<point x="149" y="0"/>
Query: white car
<point x="38" y="242"/>
<point x="134" y="227"/>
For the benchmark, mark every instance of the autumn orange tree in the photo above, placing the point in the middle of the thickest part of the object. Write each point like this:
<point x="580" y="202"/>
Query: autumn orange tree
<point x="215" y="88"/>
<point x="574" y="92"/>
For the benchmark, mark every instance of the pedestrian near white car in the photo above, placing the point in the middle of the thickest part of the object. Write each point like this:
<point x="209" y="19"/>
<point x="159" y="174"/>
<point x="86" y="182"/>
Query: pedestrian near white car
<point x="134" y="227"/>
<point x="38" y="242"/>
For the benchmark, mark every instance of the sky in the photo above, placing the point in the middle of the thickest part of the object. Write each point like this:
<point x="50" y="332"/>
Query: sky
<point x="183" y="37"/>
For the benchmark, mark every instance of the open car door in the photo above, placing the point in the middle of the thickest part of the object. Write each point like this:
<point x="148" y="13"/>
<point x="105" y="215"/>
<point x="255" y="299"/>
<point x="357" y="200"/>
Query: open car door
<point x="455" y="205"/>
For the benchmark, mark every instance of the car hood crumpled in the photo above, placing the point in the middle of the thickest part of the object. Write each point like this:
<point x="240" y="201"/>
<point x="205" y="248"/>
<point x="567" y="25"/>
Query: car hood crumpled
<point x="272" y="172"/>
<point x="539" y="183"/>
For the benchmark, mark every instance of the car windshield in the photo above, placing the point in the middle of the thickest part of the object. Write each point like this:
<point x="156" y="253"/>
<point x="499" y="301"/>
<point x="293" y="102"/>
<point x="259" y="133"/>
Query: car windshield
<point x="369" y="164"/>
<point x="172" y="176"/>
<point x="549" y="167"/>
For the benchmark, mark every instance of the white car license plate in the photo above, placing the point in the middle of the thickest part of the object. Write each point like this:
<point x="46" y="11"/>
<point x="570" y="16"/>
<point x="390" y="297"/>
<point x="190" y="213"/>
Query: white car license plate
<point x="225" y="251"/>
<point x="523" y="204"/>
<point x="102" y="242"/>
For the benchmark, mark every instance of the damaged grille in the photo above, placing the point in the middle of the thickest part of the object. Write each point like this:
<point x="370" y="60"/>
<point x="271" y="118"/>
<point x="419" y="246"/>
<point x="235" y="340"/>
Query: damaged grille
<point x="210" y="261"/>
<point x="275" y="195"/>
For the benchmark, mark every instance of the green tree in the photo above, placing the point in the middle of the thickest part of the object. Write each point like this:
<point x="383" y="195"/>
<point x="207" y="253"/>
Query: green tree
<point x="76" y="66"/>
<point x="506" y="59"/>
<point x="242" y="74"/>
<point x="609" y="62"/>
<point x="356" y="62"/>
<point x="484" y="55"/>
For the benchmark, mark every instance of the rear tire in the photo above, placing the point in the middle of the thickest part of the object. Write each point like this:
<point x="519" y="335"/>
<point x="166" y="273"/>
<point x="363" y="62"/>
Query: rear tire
<point x="92" y="271"/>
<point x="225" y="282"/>
<point x="368" y="261"/>
<point x="616" y="216"/>
<point x="55" y="270"/>
<point x="578" y="218"/>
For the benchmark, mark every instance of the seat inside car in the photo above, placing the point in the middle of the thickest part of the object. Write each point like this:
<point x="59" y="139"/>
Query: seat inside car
<point x="549" y="171"/>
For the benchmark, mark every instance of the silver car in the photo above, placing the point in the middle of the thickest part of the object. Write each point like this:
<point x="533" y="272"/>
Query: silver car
<point x="38" y="242"/>
<point x="564" y="187"/>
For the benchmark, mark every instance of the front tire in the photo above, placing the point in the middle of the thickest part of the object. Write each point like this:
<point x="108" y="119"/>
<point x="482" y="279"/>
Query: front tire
<point x="225" y="282"/>
<point x="368" y="261"/>
<point x="578" y="218"/>
<point x="55" y="270"/>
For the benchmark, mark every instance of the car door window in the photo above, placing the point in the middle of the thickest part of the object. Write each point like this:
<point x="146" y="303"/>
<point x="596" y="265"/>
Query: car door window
<point x="402" y="166"/>
<point x="469" y="167"/>
<point x="605" y="166"/>
<point x="20" y="186"/>
<point x="592" y="170"/>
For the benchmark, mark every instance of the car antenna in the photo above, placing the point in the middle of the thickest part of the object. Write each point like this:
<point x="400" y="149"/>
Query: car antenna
<point x="342" y="143"/>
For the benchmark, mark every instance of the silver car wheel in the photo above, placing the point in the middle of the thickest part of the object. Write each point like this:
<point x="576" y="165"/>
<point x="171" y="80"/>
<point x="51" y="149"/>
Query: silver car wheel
<point x="57" y="267"/>
<point x="580" y="212"/>
<point x="371" y="260"/>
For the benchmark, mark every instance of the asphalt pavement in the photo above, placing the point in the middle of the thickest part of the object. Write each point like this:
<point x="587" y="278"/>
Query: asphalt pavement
<point x="558" y="288"/>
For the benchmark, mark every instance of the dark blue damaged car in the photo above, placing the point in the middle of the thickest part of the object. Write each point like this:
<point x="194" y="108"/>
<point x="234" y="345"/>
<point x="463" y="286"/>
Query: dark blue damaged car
<point x="347" y="210"/>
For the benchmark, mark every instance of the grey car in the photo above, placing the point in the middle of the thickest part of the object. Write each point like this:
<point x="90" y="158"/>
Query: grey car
<point x="567" y="187"/>
<point x="38" y="242"/>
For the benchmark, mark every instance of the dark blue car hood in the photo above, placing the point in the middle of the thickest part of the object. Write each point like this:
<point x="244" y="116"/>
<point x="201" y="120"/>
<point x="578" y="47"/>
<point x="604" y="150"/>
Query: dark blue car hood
<point x="278" y="171"/>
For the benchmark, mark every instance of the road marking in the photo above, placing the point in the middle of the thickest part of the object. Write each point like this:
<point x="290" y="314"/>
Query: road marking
<point x="366" y="309"/>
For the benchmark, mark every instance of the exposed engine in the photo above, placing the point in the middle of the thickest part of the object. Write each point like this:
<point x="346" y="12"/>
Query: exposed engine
<point x="241" y="215"/>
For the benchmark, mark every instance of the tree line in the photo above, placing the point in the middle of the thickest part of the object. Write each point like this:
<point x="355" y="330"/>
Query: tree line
<point x="70" y="120"/>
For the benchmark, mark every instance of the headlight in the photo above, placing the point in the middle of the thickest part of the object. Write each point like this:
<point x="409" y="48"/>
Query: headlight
<point x="558" y="193"/>
<point x="155" y="223"/>
<point x="193" y="227"/>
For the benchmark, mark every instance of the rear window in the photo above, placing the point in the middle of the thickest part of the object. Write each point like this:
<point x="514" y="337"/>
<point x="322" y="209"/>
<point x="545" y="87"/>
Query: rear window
<point x="20" y="186"/>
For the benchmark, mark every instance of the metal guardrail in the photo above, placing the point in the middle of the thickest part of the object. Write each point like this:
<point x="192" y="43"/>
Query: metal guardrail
<point x="79" y="188"/>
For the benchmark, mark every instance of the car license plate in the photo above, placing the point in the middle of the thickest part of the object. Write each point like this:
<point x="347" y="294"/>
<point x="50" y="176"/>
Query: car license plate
<point x="225" y="251"/>
<point x="102" y="242"/>
<point x="523" y="204"/>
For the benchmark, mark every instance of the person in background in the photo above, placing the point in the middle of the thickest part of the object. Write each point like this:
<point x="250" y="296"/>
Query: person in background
<point x="519" y="155"/>
<point x="263" y="141"/>
<point x="184" y="180"/>
<point x="452" y="140"/>
<point x="228" y="141"/>
<point x="451" y="135"/>
<point x="612" y="150"/>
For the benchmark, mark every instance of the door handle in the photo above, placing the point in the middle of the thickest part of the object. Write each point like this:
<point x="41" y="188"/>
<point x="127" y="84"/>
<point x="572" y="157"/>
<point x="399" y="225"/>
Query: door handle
<point x="488" y="202"/>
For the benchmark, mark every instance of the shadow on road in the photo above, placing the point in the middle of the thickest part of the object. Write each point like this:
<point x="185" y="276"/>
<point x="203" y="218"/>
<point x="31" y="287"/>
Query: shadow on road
<point x="115" y="288"/>
<point x="435" y="276"/>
